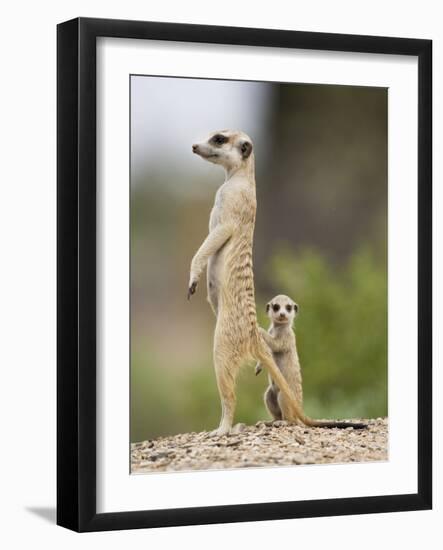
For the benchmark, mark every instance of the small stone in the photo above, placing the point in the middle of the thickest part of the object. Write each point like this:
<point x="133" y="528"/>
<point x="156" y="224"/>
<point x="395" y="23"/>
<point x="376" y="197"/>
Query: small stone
<point x="280" y="423"/>
<point x="265" y="445"/>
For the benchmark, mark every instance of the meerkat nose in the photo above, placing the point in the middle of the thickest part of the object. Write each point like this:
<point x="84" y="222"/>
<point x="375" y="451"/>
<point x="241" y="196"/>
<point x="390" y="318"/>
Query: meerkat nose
<point x="194" y="148"/>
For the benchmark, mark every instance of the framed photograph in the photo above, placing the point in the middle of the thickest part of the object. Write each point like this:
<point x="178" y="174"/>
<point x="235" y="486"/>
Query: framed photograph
<point x="244" y="274"/>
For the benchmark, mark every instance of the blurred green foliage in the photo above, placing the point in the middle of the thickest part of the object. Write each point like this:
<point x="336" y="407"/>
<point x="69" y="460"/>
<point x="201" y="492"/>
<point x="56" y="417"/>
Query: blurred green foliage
<point x="341" y="330"/>
<point x="342" y="340"/>
<point x="166" y="402"/>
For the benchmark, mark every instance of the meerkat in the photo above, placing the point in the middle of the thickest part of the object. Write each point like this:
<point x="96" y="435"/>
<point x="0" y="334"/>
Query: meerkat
<point x="281" y="339"/>
<point x="227" y="254"/>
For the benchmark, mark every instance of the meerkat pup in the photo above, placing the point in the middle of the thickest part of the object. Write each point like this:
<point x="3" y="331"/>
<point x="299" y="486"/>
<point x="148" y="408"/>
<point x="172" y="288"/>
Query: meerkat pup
<point x="227" y="254"/>
<point x="281" y="340"/>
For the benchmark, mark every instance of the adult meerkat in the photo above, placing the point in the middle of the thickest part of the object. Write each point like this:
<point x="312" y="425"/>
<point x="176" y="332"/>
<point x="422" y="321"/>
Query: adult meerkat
<point x="281" y="340"/>
<point x="227" y="253"/>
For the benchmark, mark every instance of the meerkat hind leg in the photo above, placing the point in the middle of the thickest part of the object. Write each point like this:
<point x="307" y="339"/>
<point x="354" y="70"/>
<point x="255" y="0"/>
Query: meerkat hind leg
<point x="226" y="370"/>
<point x="271" y="402"/>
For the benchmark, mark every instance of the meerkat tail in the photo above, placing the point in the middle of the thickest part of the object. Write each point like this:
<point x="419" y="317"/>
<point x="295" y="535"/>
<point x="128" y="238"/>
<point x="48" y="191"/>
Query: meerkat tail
<point x="295" y="410"/>
<point x="336" y="424"/>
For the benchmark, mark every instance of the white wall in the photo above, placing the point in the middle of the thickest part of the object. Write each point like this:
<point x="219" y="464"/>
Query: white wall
<point x="27" y="289"/>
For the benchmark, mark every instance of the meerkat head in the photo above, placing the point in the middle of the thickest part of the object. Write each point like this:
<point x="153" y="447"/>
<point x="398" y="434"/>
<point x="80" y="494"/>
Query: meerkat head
<point x="282" y="310"/>
<point x="230" y="148"/>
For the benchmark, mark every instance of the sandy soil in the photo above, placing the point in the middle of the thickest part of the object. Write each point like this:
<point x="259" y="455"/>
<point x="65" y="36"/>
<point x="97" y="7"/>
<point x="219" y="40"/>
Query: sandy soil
<point x="264" y="444"/>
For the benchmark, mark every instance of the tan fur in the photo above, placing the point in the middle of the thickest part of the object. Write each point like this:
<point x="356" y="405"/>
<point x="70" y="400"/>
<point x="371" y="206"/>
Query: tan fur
<point x="227" y="251"/>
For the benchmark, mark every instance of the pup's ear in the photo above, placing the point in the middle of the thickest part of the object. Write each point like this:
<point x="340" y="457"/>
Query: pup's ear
<point x="246" y="149"/>
<point x="268" y="306"/>
<point x="296" y="308"/>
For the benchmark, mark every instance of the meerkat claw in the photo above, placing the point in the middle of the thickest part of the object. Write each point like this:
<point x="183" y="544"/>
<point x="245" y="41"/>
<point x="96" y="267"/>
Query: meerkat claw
<point x="191" y="290"/>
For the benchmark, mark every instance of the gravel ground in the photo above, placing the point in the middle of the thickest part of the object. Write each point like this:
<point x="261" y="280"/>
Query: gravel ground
<point x="265" y="444"/>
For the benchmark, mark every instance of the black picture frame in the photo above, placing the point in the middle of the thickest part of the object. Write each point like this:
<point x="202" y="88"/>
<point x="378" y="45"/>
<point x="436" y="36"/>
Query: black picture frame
<point x="76" y="273"/>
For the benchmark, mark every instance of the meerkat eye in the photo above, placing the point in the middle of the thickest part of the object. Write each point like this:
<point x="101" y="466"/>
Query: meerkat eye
<point x="275" y="307"/>
<point x="218" y="139"/>
<point x="288" y="308"/>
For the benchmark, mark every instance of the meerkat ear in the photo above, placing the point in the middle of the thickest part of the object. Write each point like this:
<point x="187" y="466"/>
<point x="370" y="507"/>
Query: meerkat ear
<point x="246" y="149"/>
<point x="268" y="305"/>
<point x="296" y="308"/>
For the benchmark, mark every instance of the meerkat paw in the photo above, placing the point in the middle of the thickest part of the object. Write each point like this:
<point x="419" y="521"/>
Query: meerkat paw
<point x="239" y="428"/>
<point x="192" y="287"/>
<point x="258" y="369"/>
<point x="220" y="431"/>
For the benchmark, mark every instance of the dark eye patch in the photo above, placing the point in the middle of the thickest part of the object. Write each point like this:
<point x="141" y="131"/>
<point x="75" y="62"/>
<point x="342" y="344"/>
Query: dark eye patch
<point x="288" y="308"/>
<point x="275" y="307"/>
<point x="219" y="139"/>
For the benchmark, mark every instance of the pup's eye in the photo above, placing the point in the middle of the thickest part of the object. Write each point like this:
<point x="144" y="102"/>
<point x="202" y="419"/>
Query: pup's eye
<point x="275" y="307"/>
<point x="288" y="308"/>
<point x="219" y="139"/>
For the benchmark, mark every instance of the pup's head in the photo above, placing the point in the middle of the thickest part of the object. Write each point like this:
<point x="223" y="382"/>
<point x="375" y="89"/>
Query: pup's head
<point x="231" y="149"/>
<point x="282" y="310"/>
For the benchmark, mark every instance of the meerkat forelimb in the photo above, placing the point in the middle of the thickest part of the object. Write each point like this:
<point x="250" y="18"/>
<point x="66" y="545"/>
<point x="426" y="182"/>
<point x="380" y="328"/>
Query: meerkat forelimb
<point x="281" y="339"/>
<point x="227" y="253"/>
